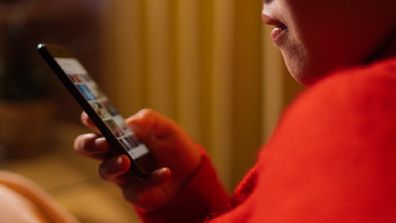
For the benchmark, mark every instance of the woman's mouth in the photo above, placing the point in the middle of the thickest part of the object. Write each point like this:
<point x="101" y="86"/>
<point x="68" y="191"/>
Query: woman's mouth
<point x="279" y="30"/>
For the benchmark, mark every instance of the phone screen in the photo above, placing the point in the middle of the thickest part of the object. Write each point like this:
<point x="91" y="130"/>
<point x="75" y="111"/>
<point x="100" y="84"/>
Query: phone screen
<point x="102" y="106"/>
<point x="98" y="107"/>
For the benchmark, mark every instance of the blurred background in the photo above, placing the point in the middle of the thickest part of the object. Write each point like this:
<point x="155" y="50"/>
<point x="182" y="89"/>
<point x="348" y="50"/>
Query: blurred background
<point x="210" y="65"/>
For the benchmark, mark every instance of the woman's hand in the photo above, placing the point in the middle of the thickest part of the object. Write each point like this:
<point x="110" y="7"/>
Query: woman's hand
<point x="178" y="157"/>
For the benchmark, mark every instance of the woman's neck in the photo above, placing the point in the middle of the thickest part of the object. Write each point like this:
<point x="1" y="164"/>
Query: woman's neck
<point x="391" y="49"/>
<point x="386" y="50"/>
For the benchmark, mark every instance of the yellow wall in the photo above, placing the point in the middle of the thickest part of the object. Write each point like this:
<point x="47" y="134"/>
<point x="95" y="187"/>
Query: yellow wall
<point x="207" y="64"/>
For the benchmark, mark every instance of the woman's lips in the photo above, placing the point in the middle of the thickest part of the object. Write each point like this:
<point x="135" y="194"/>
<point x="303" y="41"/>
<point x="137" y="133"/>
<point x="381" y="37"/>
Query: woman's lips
<point x="278" y="32"/>
<point x="280" y="28"/>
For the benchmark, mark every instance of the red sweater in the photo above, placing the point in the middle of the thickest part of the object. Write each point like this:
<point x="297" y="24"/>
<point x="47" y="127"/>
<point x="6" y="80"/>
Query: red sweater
<point x="332" y="158"/>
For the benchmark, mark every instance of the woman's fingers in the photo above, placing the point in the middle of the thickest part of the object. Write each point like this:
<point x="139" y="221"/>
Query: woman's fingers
<point x="161" y="175"/>
<point x="89" y="123"/>
<point x="114" y="168"/>
<point x="150" y="193"/>
<point x="147" y="123"/>
<point x="91" y="145"/>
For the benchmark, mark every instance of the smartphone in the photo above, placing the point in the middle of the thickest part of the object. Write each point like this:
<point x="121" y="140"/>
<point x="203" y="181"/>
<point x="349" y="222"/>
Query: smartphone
<point x="99" y="108"/>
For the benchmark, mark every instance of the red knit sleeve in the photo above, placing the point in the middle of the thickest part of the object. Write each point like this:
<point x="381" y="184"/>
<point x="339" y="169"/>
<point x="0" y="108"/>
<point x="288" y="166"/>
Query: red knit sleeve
<point x="332" y="158"/>
<point x="200" y="198"/>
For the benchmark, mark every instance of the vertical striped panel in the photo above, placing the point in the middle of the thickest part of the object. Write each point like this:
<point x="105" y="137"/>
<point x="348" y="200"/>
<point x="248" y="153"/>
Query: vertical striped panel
<point x="205" y="51"/>
<point x="159" y="81"/>
<point x="247" y="85"/>
<point x="122" y="50"/>
<point x="272" y="84"/>
<point x="178" y="57"/>
<point x="188" y="66"/>
<point x="109" y="62"/>
<point x="222" y="88"/>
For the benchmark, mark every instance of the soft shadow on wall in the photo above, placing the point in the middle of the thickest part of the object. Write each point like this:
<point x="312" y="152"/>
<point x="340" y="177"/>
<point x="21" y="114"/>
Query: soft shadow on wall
<point x="29" y="92"/>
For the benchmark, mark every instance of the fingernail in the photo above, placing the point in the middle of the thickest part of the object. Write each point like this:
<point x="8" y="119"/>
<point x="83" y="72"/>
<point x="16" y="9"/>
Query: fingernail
<point x="117" y="166"/>
<point x="100" y="145"/>
<point x="162" y="173"/>
<point x="162" y="170"/>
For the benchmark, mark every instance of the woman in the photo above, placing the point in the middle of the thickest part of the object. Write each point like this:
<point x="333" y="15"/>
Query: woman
<point x="331" y="158"/>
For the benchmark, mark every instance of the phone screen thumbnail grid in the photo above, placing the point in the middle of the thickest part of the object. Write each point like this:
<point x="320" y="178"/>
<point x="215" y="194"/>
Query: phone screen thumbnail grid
<point x="102" y="106"/>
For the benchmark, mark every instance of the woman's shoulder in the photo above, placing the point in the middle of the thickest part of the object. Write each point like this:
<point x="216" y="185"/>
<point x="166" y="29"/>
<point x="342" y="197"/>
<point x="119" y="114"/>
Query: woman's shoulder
<point x="343" y="105"/>
<point x="351" y="91"/>
<point x="357" y="79"/>
<point x="333" y="151"/>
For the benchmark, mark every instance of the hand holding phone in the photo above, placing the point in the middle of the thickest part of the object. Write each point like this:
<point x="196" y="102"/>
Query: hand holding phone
<point x="175" y="151"/>
<point x="172" y="148"/>
<point x="99" y="108"/>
